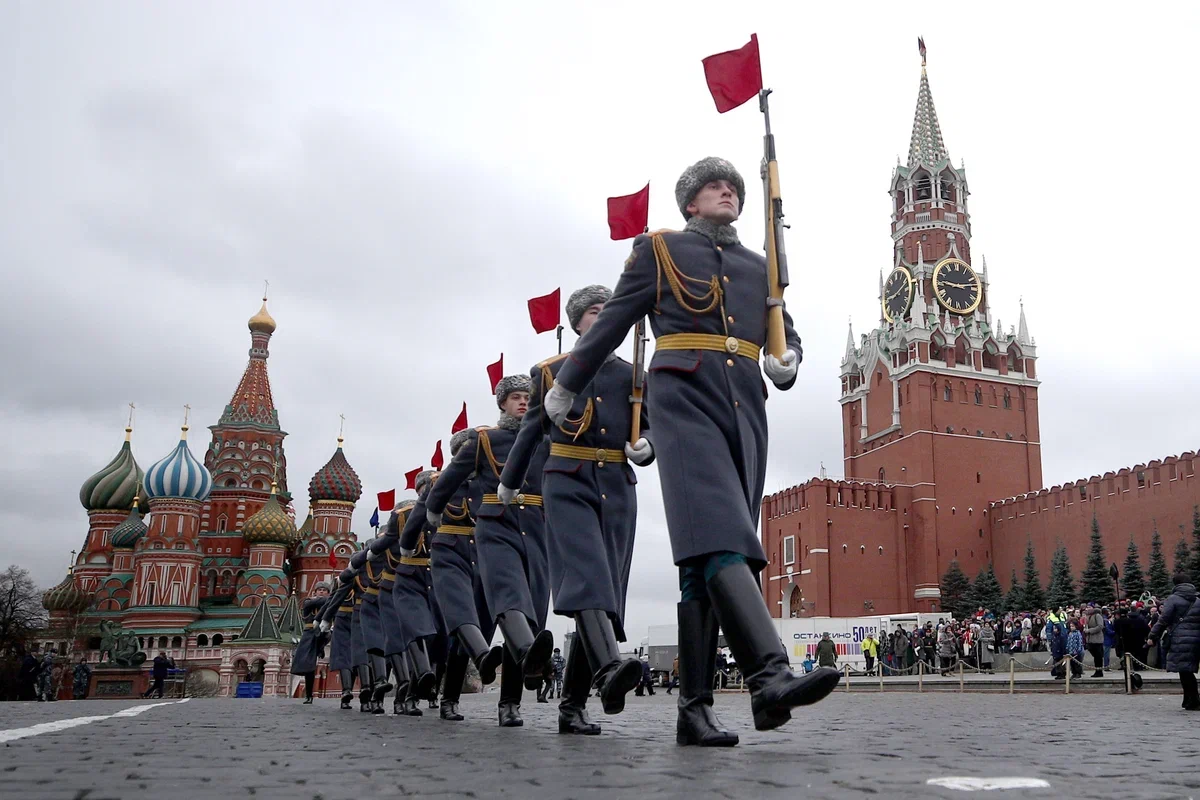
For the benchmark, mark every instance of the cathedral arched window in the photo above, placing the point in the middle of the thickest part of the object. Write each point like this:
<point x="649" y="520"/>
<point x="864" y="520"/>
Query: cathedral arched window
<point x="1007" y="399"/>
<point x="978" y="396"/>
<point x="202" y="640"/>
<point x="881" y="475"/>
<point x="222" y="522"/>
<point x="948" y="393"/>
<point x="923" y="189"/>
<point x="177" y="641"/>
<point x="217" y="639"/>
<point x="1015" y="362"/>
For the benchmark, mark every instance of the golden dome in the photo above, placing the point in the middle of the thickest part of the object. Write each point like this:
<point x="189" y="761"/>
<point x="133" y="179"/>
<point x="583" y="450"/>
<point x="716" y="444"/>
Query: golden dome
<point x="262" y="322"/>
<point x="271" y="525"/>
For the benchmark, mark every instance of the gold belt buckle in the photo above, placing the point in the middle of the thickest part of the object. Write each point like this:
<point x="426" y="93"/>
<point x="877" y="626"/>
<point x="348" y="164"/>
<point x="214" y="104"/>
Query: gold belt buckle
<point x="601" y="455"/>
<point x="519" y="499"/>
<point x="731" y="344"/>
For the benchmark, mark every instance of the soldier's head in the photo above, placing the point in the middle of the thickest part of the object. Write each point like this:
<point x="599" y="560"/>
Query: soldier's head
<point x="712" y="190"/>
<point x="424" y="481"/>
<point x="584" y="305"/>
<point x="512" y="395"/>
<point x="321" y="589"/>
<point x="402" y="508"/>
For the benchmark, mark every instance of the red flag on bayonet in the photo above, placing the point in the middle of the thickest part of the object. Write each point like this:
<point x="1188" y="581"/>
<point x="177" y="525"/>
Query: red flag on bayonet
<point x="460" y="422"/>
<point x="629" y="215"/>
<point x="544" y="312"/>
<point x="332" y="558"/>
<point x="734" y="76"/>
<point x="437" y="462"/>
<point x="410" y="478"/>
<point x="495" y="373"/>
<point x="387" y="501"/>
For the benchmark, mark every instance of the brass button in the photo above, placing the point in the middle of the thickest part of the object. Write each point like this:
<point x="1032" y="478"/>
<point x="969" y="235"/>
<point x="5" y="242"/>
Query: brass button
<point x="603" y="497"/>
<point x="519" y="499"/>
<point x="522" y="533"/>
<point x="599" y="399"/>
<point x="729" y="362"/>
<point x="730" y="318"/>
<point x="731" y="344"/>
<point x="736" y="404"/>
<point x="603" y="431"/>
<point x="725" y="278"/>
<point x="601" y="455"/>
<point x="720" y="248"/>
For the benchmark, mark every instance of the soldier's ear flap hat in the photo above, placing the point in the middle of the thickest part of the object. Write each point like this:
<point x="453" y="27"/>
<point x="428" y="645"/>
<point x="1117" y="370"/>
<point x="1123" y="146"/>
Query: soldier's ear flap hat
<point x="423" y="481"/>
<point x="322" y="585"/>
<point x="458" y="440"/>
<point x="404" y="505"/>
<point x="695" y="177"/>
<point x="512" y="383"/>
<point x="583" y="299"/>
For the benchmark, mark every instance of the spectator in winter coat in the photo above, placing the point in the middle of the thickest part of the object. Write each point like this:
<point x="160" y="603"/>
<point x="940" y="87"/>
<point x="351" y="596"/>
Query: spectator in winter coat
<point x="1110" y="636"/>
<point x="947" y="648"/>
<point x="826" y="652"/>
<point x="1075" y="650"/>
<point x="870" y="650"/>
<point x="987" y="647"/>
<point x="1181" y="615"/>
<point x="1094" y="631"/>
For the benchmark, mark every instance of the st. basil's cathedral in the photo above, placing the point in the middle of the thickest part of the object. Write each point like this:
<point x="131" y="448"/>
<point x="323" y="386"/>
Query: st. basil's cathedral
<point x="202" y="559"/>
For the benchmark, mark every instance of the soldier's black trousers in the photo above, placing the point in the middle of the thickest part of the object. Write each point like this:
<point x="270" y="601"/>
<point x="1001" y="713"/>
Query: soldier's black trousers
<point x="695" y="573"/>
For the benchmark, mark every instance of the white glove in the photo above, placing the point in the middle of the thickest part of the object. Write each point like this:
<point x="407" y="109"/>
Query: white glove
<point x="558" y="403"/>
<point x="639" y="453"/>
<point x="783" y="369"/>
<point x="325" y="626"/>
<point x="506" y="494"/>
<point x="432" y="518"/>
<point x="404" y="551"/>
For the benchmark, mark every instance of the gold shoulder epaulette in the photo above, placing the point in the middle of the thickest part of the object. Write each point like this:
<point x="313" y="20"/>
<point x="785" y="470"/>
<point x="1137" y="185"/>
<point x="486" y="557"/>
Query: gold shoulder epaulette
<point x="552" y="360"/>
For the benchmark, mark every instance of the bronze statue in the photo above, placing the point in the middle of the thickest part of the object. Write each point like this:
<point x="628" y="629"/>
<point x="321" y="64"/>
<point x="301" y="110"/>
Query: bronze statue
<point x="120" y="645"/>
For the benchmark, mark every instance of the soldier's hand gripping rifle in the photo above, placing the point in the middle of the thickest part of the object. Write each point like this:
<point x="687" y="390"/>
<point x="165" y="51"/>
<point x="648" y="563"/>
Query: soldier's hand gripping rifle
<point x="639" y="380"/>
<point x="777" y="270"/>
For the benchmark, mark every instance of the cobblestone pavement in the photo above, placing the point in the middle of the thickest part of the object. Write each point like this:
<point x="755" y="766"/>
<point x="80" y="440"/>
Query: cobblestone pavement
<point x="856" y="744"/>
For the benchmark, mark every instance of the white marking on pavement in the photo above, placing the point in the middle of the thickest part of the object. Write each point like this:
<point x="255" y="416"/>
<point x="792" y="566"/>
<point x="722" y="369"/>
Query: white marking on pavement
<point x="966" y="784"/>
<point x="66" y="724"/>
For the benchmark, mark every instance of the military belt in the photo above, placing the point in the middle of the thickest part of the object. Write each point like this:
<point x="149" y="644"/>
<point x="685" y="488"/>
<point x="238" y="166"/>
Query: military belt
<point x="308" y="626"/>
<point x="387" y="576"/>
<point x="346" y="609"/>
<point x="708" y="341"/>
<point x="457" y="530"/>
<point x="372" y="590"/>
<point x="413" y="561"/>
<point x="519" y="500"/>
<point x="595" y="454"/>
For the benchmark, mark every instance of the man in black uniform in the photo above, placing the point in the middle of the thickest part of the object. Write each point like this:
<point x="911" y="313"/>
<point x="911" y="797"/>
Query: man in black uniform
<point x="310" y="647"/>
<point x="591" y="512"/>
<point x="710" y="298"/>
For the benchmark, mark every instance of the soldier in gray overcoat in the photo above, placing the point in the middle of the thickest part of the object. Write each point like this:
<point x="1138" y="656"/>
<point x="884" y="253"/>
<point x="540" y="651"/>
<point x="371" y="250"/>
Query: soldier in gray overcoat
<point x="393" y="630"/>
<point x="510" y="541"/>
<point x="710" y="297"/>
<point x="366" y="612"/>
<point x="336" y="618"/>
<point x="310" y="647"/>
<point x="590" y="496"/>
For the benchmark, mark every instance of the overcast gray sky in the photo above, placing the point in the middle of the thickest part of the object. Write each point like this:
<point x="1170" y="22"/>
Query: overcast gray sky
<point x="408" y="174"/>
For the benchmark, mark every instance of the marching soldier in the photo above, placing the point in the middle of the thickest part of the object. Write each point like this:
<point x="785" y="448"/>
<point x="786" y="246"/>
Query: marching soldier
<point x="310" y="647"/>
<point x="591" y="511"/>
<point x="336" y="615"/>
<point x="366" y="612"/>
<point x="510" y="541"/>
<point x="710" y="435"/>
<point x="393" y="631"/>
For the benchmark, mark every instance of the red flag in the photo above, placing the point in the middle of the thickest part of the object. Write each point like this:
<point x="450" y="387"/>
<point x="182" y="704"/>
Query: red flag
<point x="629" y="215"/>
<point x="410" y="478"/>
<point x="734" y="76"/>
<point x="460" y="422"/>
<point x="544" y="312"/>
<point x="387" y="501"/>
<point x="332" y="558"/>
<point x="495" y="373"/>
<point x="437" y="462"/>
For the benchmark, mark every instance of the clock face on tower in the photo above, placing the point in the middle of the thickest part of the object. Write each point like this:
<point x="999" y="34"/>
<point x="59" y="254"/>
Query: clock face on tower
<point x="956" y="286"/>
<point x="897" y="294"/>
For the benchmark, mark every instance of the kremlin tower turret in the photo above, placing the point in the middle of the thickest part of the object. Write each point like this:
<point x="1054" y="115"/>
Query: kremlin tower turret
<point x="333" y="492"/>
<point x="270" y="535"/>
<point x="106" y="496"/>
<point x="167" y="557"/>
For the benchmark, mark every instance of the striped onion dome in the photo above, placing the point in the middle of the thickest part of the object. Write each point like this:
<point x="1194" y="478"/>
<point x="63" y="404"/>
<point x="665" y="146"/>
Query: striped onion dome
<point x="271" y="525"/>
<point x="179" y="475"/>
<point x="116" y="485"/>
<point x="337" y="480"/>
<point x="128" y="532"/>
<point x="66" y="596"/>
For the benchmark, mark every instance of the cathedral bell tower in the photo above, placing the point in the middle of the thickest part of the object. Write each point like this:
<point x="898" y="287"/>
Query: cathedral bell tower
<point x="938" y="397"/>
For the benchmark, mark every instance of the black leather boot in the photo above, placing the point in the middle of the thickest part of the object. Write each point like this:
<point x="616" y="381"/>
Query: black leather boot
<point x="379" y="667"/>
<point x="401" y="696"/>
<point x="614" y="677"/>
<point x="456" y="673"/>
<point x="577" y="680"/>
<point x="486" y="658"/>
<point x="400" y="672"/>
<point x="366" y="687"/>
<point x="347" y="676"/>
<point x="774" y="688"/>
<point x="510" y="692"/>
<point x="439" y="673"/>
<point x="424" y="681"/>
<point x="411" y="709"/>
<point x="697" y="723"/>
<point x="532" y="653"/>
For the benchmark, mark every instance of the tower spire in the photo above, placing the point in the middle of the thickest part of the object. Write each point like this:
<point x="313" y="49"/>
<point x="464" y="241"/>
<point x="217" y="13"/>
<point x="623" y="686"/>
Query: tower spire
<point x="1023" y="328"/>
<point x="926" y="145"/>
<point x="850" y="341"/>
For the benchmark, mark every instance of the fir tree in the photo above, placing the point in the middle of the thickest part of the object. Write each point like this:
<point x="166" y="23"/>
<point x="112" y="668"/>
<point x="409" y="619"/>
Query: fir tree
<point x="956" y="588"/>
<point x="1132" y="581"/>
<point x="1015" y="599"/>
<point x="1062" y="584"/>
<point x="1097" y="584"/>
<point x="1033" y="596"/>
<point x="1194" y="561"/>
<point x="1159" y="580"/>
<point x="986" y="591"/>
<point x="1183" y="557"/>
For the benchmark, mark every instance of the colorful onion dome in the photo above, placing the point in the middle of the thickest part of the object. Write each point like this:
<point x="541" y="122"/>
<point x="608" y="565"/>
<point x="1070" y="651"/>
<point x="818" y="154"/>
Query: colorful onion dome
<point x="66" y="596"/>
<point x="337" y="480"/>
<point x="128" y="532"/>
<point x="262" y="322"/>
<point x="179" y="475"/>
<point x="116" y="485"/>
<point x="271" y="524"/>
